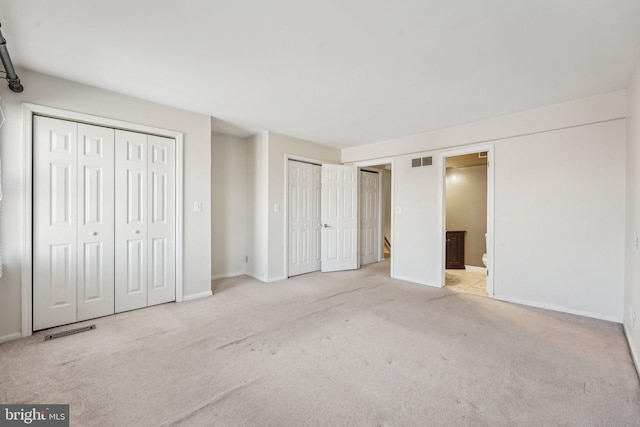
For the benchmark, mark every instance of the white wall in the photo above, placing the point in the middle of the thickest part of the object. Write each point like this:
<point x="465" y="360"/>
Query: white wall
<point x="559" y="219"/>
<point x="417" y="230"/>
<point x="279" y="147"/>
<point x="228" y="205"/>
<point x="632" y="270"/>
<point x="257" y="206"/>
<point x="53" y="92"/>
<point x="559" y="171"/>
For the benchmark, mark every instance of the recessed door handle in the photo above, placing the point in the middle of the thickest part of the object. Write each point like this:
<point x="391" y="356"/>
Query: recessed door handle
<point x="94" y="233"/>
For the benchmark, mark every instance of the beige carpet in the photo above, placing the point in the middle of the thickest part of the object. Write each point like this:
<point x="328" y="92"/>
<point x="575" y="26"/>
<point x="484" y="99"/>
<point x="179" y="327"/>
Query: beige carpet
<point x="339" y="349"/>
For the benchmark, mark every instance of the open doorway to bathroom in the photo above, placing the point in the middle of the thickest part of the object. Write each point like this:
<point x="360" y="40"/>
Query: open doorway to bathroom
<point x="466" y="196"/>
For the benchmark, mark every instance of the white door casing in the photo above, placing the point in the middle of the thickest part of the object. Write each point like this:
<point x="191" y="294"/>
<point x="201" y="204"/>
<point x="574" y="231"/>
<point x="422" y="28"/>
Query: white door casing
<point x="339" y="206"/>
<point x="304" y="217"/>
<point x="95" y="221"/>
<point x="369" y="217"/>
<point x="54" y="222"/>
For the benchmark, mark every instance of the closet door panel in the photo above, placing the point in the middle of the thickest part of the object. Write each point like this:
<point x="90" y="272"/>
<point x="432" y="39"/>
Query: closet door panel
<point x="161" y="220"/>
<point x="54" y="222"/>
<point x="96" y="224"/>
<point x="316" y="220"/>
<point x="131" y="249"/>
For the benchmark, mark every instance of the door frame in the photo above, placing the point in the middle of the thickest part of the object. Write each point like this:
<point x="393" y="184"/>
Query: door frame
<point x="376" y="162"/>
<point x="28" y="111"/>
<point x="489" y="148"/>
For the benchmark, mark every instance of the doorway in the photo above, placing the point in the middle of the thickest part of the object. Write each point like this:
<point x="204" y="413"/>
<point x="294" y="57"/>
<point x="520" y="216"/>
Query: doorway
<point x="322" y="217"/>
<point x="467" y="216"/>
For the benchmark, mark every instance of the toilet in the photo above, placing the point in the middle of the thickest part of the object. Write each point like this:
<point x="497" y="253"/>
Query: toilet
<point x="484" y="255"/>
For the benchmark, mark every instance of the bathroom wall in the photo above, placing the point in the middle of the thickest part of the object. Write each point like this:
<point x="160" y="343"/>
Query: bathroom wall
<point x="466" y="208"/>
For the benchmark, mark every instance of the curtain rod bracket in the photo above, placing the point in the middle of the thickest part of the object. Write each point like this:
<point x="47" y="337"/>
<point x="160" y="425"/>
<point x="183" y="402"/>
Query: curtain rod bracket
<point x="12" y="77"/>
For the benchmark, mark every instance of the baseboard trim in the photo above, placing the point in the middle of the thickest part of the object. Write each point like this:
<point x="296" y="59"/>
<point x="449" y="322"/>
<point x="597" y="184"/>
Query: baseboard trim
<point x="10" y="337"/>
<point x="197" y="296"/>
<point x="591" y="314"/>
<point x="260" y="278"/>
<point x="635" y="357"/>
<point x="277" y="279"/>
<point x="475" y="269"/>
<point x="228" y="275"/>
<point x="419" y="282"/>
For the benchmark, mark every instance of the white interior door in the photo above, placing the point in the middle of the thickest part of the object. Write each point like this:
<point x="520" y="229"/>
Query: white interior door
<point x="369" y="217"/>
<point x="131" y="266"/>
<point x="300" y="216"/>
<point x="161" y="222"/>
<point x="316" y="217"/>
<point x="339" y="207"/>
<point x="95" y="221"/>
<point x="304" y="217"/>
<point x="55" y="177"/>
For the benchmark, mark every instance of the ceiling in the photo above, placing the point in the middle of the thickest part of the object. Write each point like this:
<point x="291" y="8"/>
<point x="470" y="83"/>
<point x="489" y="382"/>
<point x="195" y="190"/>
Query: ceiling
<point x="341" y="73"/>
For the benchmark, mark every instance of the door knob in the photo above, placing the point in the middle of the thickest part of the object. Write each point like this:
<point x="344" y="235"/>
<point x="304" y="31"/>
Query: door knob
<point x="325" y="225"/>
<point x="136" y="232"/>
<point x="94" y="233"/>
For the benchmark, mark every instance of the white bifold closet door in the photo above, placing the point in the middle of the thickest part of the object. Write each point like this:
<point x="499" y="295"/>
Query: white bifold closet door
<point x="145" y="220"/>
<point x="73" y="222"/>
<point x="103" y="221"/>
<point x="304" y="216"/>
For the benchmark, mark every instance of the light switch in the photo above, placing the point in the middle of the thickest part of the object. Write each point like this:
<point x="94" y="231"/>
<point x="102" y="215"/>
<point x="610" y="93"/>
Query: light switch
<point x="197" y="206"/>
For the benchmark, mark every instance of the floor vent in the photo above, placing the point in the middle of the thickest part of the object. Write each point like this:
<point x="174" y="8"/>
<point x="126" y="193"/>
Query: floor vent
<point x="69" y="332"/>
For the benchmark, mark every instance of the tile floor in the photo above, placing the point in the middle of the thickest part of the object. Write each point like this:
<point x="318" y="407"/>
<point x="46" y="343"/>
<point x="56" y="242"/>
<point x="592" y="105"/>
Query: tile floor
<point x="466" y="281"/>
